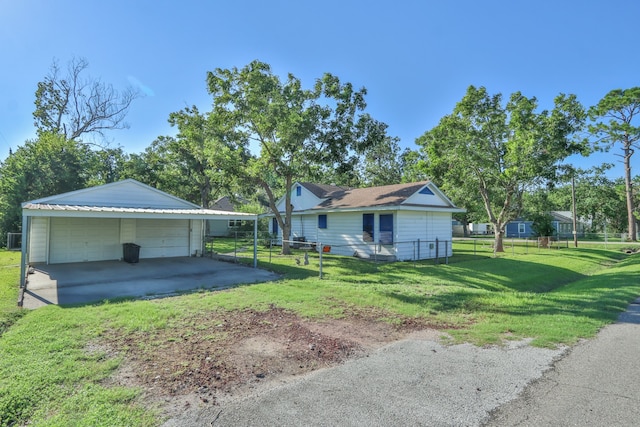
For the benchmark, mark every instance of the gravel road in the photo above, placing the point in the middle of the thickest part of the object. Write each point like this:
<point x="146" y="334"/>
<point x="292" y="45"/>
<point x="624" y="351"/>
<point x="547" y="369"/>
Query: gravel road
<point x="413" y="382"/>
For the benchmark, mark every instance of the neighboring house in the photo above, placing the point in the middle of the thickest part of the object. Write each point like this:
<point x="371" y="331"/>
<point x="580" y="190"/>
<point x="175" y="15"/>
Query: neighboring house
<point x="222" y="227"/>
<point x="93" y="224"/>
<point x="519" y="227"/>
<point x="399" y="222"/>
<point x="562" y="222"/>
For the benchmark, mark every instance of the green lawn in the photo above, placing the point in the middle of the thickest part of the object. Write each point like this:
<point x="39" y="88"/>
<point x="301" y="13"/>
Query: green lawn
<point x="53" y="369"/>
<point x="9" y="279"/>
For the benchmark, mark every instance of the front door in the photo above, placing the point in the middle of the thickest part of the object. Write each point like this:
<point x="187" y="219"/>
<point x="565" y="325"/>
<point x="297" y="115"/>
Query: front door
<point x="386" y="229"/>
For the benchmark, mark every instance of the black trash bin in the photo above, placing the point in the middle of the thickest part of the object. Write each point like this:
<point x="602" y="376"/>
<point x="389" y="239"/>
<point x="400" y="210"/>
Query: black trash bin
<point x="130" y="252"/>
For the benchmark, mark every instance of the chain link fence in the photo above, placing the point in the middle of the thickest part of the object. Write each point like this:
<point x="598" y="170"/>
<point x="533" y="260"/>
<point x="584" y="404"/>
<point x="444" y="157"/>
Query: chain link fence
<point x="14" y="241"/>
<point x="238" y="247"/>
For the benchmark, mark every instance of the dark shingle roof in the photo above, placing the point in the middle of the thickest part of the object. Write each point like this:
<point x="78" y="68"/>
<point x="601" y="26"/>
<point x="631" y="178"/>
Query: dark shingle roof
<point x="223" y="204"/>
<point x="322" y="190"/>
<point x="386" y="195"/>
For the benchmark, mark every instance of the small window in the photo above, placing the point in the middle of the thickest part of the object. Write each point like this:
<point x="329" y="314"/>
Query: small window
<point x="521" y="228"/>
<point x="367" y="228"/>
<point x="235" y="223"/>
<point x="322" y="221"/>
<point x="427" y="191"/>
<point x="298" y="191"/>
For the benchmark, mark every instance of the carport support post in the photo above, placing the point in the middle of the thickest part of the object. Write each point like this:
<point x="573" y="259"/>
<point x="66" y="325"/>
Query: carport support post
<point x="23" y="250"/>
<point x="255" y="243"/>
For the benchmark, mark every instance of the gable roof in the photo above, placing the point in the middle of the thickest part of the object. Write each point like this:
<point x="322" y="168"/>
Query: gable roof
<point x="322" y="190"/>
<point x="127" y="193"/>
<point x="123" y="199"/>
<point x="223" y="204"/>
<point x="396" y="195"/>
<point x="562" y="216"/>
<point x="386" y="195"/>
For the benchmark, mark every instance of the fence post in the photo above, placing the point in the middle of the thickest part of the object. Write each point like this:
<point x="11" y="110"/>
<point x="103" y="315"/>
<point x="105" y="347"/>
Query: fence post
<point x="437" y="250"/>
<point x="321" y="250"/>
<point x="235" y="248"/>
<point x="414" y="253"/>
<point x="513" y="246"/>
<point x="474" y="246"/>
<point x="270" y="249"/>
<point x="419" y="249"/>
<point x="446" y="251"/>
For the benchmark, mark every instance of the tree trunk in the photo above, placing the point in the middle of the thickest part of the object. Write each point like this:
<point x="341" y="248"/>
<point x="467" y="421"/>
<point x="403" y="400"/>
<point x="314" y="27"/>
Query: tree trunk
<point x="465" y="228"/>
<point x="286" y="231"/>
<point x="497" y="244"/>
<point x="286" y="222"/>
<point x="628" y="151"/>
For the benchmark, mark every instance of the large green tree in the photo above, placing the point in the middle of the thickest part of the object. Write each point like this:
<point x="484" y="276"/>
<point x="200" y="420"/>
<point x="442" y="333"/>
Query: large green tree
<point x="48" y="165"/>
<point x="202" y="161"/>
<point x="294" y="132"/>
<point x="616" y="122"/>
<point x="382" y="163"/>
<point x="498" y="150"/>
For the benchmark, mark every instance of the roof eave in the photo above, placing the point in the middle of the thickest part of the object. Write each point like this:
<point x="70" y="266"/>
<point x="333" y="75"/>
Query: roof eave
<point x="376" y="208"/>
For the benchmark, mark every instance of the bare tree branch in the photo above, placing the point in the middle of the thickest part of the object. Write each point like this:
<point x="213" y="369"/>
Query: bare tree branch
<point x="74" y="106"/>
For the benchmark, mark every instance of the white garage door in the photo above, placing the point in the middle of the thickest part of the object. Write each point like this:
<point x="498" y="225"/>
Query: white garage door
<point x="84" y="239"/>
<point x="162" y="237"/>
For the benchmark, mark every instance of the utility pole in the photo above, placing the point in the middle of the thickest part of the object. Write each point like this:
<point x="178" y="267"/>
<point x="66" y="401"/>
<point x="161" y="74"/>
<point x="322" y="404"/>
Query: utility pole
<point x="573" y="208"/>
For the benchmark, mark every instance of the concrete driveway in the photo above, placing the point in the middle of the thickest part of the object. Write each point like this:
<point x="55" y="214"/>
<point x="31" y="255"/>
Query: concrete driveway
<point x="78" y="283"/>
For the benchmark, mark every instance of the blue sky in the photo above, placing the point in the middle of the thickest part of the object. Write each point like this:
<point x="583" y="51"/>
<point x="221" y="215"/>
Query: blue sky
<point x="415" y="57"/>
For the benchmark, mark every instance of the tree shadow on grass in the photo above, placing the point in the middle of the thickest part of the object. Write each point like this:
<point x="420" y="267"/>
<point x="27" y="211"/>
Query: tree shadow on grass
<point x="600" y="297"/>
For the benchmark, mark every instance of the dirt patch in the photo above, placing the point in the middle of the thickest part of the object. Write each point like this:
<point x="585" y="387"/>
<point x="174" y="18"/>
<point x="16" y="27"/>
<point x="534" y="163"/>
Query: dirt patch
<point x="224" y="355"/>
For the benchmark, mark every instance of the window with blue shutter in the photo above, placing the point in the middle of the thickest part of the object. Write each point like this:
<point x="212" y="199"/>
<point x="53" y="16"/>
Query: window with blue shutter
<point x="322" y="221"/>
<point x="367" y="227"/>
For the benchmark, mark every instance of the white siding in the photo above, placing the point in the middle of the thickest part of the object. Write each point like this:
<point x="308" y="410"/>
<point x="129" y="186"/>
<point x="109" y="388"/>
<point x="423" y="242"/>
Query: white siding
<point x="414" y="233"/>
<point x="411" y="227"/>
<point x="38" y="236"/>
<point x="306" y="200"/>
<point x="301" y="226"/>
<point x="343" y="233"/>
<point x="425" y="227"/>
<point x="304" y="226"/>
<point x="426" y="199"/>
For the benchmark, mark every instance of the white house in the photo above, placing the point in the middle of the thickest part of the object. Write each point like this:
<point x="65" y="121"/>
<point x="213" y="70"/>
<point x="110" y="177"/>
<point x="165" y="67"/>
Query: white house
<point x="93" y="224"/>
<point x="400" y="222"/>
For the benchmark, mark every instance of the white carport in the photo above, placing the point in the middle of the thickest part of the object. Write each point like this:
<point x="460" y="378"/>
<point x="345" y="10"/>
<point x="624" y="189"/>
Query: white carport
<point x="93" y="224"/>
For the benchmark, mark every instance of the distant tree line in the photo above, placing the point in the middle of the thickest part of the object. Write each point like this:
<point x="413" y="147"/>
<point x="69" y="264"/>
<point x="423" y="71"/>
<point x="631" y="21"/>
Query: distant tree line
<point x="497" y="159"/>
